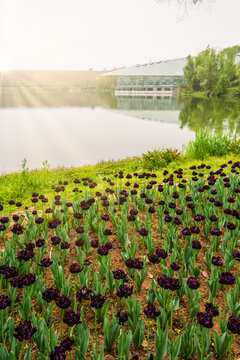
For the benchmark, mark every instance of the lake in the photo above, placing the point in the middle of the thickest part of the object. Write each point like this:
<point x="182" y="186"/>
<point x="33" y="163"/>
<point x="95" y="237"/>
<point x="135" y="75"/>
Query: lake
<point x="68" y="127"/>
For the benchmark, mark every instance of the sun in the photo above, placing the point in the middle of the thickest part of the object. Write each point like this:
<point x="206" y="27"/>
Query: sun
<point x="5" y="65"/>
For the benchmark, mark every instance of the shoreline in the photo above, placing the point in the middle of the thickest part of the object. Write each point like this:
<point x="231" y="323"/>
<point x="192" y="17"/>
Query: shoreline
<point x="20" y="185"/>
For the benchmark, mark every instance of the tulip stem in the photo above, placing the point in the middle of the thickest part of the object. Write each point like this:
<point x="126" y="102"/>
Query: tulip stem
<point x="61" y="326"/>
<point x="2" y="322"/>
<point x="171" y="319"/>
<point x="74" y="293"/>
<point x="121" y="346"/>
<point x="225" y="299"/>
<point x="93" y="263"/>
<point x="202" y="342"/>
<point x="148" y="338"/>
<point x="50" y="318"/>
<point x="20" y="355"/>
<point x="95" y="323"/>
<point x="230" y="350"/>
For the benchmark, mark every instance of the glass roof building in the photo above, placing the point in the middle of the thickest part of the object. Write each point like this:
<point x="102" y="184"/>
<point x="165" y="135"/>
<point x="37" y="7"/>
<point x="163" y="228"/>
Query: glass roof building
<point x="154" y="79"/>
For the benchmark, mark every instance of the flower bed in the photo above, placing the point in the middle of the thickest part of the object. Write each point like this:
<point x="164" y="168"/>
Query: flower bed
<point x="141" y="270"/>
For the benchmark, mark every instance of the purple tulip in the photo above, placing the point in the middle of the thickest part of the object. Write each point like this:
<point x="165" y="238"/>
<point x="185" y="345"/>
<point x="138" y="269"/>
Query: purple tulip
<point x="193" y="283"/>
<point x="175" y="267"/>
<point x="122" y="316"/>
<point x="124" y="291"/>
<point x="154" y="259"/>
<point x="211" y="309"/>
<point x="143" y="232"/>
<point x="97" y="301"/>
<point x="24" y="331"/>
<point x="40" y="242"/>
<point x="58" y="353"/>
<point x="233" y="325"/>
<point x="65" y="245"/>
<point x="196" y="245"/>
<point x="4" y="302"/>
<point x="75" y="268"/>
<point x="46" y="262"/>
<point x="71" y="318"/>
<point x="161" y="253"/>
<point x="168" y="282"/>
<point x="10" y="271"/>
<point x="150" y="311"/>
<point x="95" y="243"/>
<point x="79" y="242"/>
<point x="63" y="302"/>
<point x="55" y="240"/>
<point x="103" y="250"/>
<point x="50" y="294"/>
<point x="67" y="344"/>
<point x="227" y="279"/>
<point x="84" y="293"/>
<point x="205" y="319"/>
<point x="217" y="261"/>
<point x="25" y="255"/>
<point x="119" y="274"/>
<point x="17" y="229"/>
<point x="236" y="255"/>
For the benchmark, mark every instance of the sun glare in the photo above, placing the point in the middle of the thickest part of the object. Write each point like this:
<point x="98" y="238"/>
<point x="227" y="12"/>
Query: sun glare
<point x="4" y="65"/>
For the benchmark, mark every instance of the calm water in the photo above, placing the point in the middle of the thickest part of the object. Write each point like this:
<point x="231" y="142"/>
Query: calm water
<point x="69" y="128"/>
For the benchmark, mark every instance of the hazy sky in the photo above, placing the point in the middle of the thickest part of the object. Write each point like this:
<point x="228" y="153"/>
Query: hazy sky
<point x="79" y="34"/>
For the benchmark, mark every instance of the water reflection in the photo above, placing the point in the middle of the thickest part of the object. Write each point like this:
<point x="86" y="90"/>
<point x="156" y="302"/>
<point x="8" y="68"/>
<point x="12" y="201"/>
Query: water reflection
<point x="69" y="127"/>
<point x="34" y="97"/>
<point x="214" y="114"/>
<point x="196" y="114"/>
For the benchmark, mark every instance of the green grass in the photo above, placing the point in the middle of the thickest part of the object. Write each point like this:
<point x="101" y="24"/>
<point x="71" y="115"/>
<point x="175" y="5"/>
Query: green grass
<point x="20" y="186"/>
<point x="207" y="147"/>
<point x="208" y="144"/>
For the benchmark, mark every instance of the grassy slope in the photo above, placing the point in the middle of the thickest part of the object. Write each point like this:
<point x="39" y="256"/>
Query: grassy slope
<point x="20" y="186"/>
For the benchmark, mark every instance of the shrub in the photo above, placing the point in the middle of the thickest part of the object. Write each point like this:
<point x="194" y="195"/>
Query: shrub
<point x="158" y="159"/>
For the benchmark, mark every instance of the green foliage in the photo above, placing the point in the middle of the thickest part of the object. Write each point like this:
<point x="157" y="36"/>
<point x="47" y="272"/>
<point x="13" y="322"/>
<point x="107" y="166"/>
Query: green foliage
<point x="138" y="335"/>
<point x="208" y="144"/>
<point x="222" y="344"/>
<point x="106" y="83"/>
<point x="111" y="330"/>
<point x="213" y="72"/>
<point x="159" y="159"/>
<point x="124" y="344"/>
<point x="161" y="341"/>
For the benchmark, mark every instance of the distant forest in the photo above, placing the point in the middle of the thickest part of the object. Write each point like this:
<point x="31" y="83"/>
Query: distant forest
<point x="50" y="78"/>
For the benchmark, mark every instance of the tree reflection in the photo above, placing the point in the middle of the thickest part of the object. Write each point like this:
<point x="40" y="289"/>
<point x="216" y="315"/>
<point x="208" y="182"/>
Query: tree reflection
<point x="212" y="114"/>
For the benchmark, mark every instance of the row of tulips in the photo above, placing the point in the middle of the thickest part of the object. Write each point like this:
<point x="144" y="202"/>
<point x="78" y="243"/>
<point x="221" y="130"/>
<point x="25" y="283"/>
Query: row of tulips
<point x="118" y="272"/>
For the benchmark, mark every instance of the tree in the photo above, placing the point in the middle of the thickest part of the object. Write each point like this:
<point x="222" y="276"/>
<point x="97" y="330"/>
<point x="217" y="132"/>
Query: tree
<point x="212" y="72"/>
<point x="190" y="74"/>
<point x="207" y="69"/>
<point x="228" y="75"/>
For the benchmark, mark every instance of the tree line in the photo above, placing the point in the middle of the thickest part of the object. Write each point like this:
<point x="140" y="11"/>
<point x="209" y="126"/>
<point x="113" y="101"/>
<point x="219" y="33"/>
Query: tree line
<point x="213" y="72"/>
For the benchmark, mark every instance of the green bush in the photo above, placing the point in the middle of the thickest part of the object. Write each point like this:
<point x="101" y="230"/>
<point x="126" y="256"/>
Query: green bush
<point x="158" y="159"/>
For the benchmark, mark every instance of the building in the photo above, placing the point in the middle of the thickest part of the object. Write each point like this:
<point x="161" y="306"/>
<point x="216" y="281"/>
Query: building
<point x="153" y="79"/>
